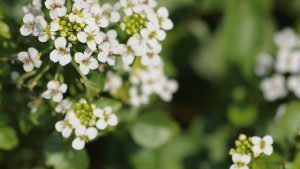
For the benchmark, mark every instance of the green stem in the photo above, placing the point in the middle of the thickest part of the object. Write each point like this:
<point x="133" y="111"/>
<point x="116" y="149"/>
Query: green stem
<point x="33" y="83"/>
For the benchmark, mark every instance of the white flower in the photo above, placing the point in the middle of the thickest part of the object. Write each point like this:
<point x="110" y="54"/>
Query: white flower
<point x="240" y="161"/>
<point x="34" y="8"/>
<point x="134" y="47"/>
<point x="262" y="145"/>
<point x="83" y="135"/>
<point x="286" y="39"/>
<point x="62" y="52"/>
<point x="288" y="61"/>
<point x="264" y="64"/>
<point x="151" y="56"/>
<point x="153" y="34"/>
<point x="67" y="125"/>
<point x="111" y="12"/>
<point x="274" y="88"/>
<point x="45" y="31"/>
<point x="30" y="59"/>
<point x="96" y="17"/>
<point x="55" y="91"/>
<point x="131" y="6"/>
<point x="294" y="85"/>
<point x="86" y="61"/>
<point x="166" y="89"/>
<point x="113" y="82"/>
<point x="109" y="48"/>
<point x="29" y="25"/>
<point x="161" y="18"/>
<point x="91" y="36"/>
<point x="148" y="3"/>
<point x="79" y="12"/>
<point x="63" y="106"/>
<point x="137" y="98"/>
<point x="106" y="118"/>
<point x="57" y="8"/>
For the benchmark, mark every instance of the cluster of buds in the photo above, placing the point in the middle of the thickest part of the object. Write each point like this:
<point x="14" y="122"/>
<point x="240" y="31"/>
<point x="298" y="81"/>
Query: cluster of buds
<point x="125" y="36"/>
<point x="248" y="148"/>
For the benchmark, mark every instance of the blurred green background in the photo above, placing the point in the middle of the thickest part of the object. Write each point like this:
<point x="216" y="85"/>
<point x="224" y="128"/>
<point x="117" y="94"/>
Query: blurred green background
<point x="211" y="52"/>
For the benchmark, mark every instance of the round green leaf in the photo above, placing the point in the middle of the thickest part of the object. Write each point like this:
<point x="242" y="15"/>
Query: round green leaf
<point x="153" y="130"/>
<point x="8" y="138"/>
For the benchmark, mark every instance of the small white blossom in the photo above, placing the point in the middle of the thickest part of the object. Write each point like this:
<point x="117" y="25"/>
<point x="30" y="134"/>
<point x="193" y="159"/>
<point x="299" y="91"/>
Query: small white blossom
<point x="288" y="61"/>
<point x="86" y="61"/>
<point x="153" y="34"/>
<point x="45" y="31"/>
<point x="106" y="118"/>
<point x="240" y="161"/>
<point x="62" y="52"/>
<point x="79" y="11"/>
<point x="264" y="64"/>
<point x="57" y="8"/>
<point x="294" y="85"/>
<point x="134" y="47"/>
<point x="83" y="135"/>
<point x="111" y="13"/>
<point x="34" y="8"/>
<point x="137" y="98"/>
<point x="286" y="39"/>
<point x="262" y="145"/>
<point x="63" y="106"/>
<point x="113" y="82"/>
<point x="131" y="6"/>
<point x="96" y="17"/>
<point x="29" y="25"/>
<point x="161" y="18"/>
<point x="30" y="59"/>
<point x="55" y="91"/>
<point x="67" y="125"/>
<point x="151" y="56"/>
<point x="91" y="36"/>
<point x="274" y="88"/>
<point x="166" y="89"/>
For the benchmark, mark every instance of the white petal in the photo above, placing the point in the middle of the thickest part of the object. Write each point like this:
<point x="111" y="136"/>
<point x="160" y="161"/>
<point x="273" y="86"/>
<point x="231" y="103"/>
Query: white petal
<point x="163" y="12"/>
<point x="268" y="150"/>
<point x="22" y="56"/>
<point x="65" y="59"/>
<point x="60" y="42"/>
<point x="78" y="57"/>
<point x="58" y="97"/>
<point x="79" y="131"/>
<point x="24" y="31"/>
<point x="63" y="88"/>
<point x="28" y="67"/>
<point x="256" y="140"/>
<point x="113" y="120"/>
<point x="82" y="37"/>
<point x="101" y="124"/>
<point x="268" y="139"/>
<point x="54" y="56"/>
<point x="161" y="35"/>
<point x="47" y="94"/>
<point x="66" y="133"/>
<point x="91" y="133"/>
<point x="78" y="144"/>
<point x="167" y="24"/>
<point x="98" y="113"/>
<point x="84" y="69"/>
<point x="59" y="126"/>
<point x="94" y="64"/>
<point x="102" y="57"/>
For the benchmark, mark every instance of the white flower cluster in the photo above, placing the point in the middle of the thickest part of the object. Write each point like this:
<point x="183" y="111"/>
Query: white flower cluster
<point x="85" y="120"/>
<point x="248" y="148"/>
<point x="285" y="67"/>
<point x="87" y="32"/>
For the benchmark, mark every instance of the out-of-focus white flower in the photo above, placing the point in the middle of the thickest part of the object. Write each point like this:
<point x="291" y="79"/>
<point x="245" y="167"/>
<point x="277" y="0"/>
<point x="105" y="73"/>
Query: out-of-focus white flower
<point x="91" y="36"/>
<point x="151" y="56"/>
<point x="86" y="61"/>
<point x="262" y="145"/>
<point x="274" y="87"/>
<point x="137" y="98"/>
<point x="153" y="34"/>
<point x="161" y="18"/>
<point x="45" y="31"/>
<point x="280" y="112"/>
<point x="264" y="64"/>
<point x="288" y="61"/>
<point x="67" y="125"/>
<point x="63" y="106"/>
<point x="286" y="39"/>
<point x="96" y="17"/>
<point x="111" y="13"/>
<point x="56" y="7"/>
<point x="106" y="118"/>
<point x="113" y="82"/>
<point x="34" y="8"/>
<point x="294" y="85"/>
<point x="31" y="59"/>
<point x="55" y="91"/>
<point x="240" y="161"/>
<point x="62" y="52"/>
<point x="131" y="6"/>
<point x="29" y="25"/>
<point x="166" y="89"/>
<point x="79" y="12"/>
<point x="83" y="135"/>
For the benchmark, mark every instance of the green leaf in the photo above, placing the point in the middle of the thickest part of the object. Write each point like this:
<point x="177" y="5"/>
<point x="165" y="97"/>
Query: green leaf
<point x="4" y="30"/>
<point x="8" y="138"/>
<point x="268" y="162"/>
<point x="152" y="130"/>
<point x="242" y="115"/>
<point x="60" y="155"/>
